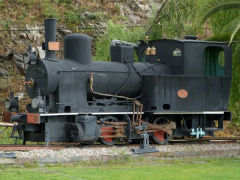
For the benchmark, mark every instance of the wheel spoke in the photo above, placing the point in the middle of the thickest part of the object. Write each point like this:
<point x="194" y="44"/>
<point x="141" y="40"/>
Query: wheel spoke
<point x="159" y="135"/>
<point x="108" y="131"/>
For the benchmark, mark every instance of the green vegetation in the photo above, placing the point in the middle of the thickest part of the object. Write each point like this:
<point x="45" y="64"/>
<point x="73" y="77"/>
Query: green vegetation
<point x="224" y="19"/>
<point x="130" y="169"/>
<point x="214" y="6"/>
<point x="4" y="136"/>
<point x="5" y="133"/>
<point x="174" y="20"/>
<point x="69" y="13"/>
<point x="116" y="31"/>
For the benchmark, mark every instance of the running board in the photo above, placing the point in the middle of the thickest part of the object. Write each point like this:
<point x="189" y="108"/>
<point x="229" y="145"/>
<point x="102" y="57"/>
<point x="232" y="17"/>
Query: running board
<point x="212" y="129"/>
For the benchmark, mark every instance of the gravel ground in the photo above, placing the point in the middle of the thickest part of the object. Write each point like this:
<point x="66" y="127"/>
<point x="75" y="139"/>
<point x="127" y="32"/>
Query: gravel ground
<point x="98" y="153"/>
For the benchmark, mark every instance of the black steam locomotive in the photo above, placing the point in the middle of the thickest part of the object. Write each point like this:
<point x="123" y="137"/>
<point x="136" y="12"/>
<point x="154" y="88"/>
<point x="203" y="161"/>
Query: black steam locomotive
<point x="177" y="88"/>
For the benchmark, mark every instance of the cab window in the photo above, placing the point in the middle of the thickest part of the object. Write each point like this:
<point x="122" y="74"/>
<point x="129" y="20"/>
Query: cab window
<point x="214" y="61"/>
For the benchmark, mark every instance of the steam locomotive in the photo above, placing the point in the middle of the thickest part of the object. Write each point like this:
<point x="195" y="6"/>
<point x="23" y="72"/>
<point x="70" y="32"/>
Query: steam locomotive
<point x="177" y="88"/>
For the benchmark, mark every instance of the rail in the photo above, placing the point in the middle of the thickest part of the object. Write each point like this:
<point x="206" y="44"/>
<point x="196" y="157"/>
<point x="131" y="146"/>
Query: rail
<point x="58" y="146"/>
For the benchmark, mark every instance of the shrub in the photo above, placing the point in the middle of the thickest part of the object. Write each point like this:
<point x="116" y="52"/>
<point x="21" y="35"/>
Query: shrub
<point x="50" y="11"/>
<point x="71" y="17"/>
<point x="116" y="31"/>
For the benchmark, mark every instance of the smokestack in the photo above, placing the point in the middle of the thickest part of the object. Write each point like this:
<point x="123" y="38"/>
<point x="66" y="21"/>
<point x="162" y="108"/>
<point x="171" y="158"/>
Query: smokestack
<point x="50" y="36"/>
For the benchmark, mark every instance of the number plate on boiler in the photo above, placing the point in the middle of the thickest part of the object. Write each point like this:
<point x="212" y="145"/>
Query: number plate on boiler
<point x="33" y="118"/>
<point x="53" y="46"/>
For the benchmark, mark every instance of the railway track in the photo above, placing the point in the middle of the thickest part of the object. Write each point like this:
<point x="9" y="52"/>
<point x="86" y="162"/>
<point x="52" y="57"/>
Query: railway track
<point x="207" y="139"/>
<point x="10" y="147"/>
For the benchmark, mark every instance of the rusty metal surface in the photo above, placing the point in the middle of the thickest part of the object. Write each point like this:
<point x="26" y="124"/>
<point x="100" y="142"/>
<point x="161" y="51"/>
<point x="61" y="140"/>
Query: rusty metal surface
<point x="6" y="116"/>
<point x="116" y="123"/>
<point x="33" y="118"/>
<point x="138" y="108"/>
<point x="113" y="130"/>
<point x="164" y="127"/>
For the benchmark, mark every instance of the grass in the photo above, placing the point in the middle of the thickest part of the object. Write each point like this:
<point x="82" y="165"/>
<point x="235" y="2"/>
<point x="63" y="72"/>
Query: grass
<point x="218" y="169"/>
<point x="116" y="31"/>
<point x="4" y="136"/>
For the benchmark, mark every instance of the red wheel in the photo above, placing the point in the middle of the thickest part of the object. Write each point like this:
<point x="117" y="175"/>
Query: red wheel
<point x="161" y="137"/>
<point x="107" y="130"/>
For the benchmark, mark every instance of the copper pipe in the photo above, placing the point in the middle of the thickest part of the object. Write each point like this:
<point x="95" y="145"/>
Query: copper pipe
<point x="108" y="95"/>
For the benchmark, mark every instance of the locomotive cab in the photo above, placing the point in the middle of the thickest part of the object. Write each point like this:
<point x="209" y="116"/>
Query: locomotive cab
<point x="200" y="78"/>
<point x="199" y="83"/>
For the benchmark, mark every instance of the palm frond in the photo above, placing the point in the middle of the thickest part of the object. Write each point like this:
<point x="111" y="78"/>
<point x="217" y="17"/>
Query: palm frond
<point x="223" y="37"/>
<point x="236" y="28"/>
<point x="216" y="5"/>
<point x="230" y="27"/>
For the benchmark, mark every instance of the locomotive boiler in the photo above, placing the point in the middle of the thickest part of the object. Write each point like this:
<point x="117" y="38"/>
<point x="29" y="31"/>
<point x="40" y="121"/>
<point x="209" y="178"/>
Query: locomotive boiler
<point x="176" y="88"/>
